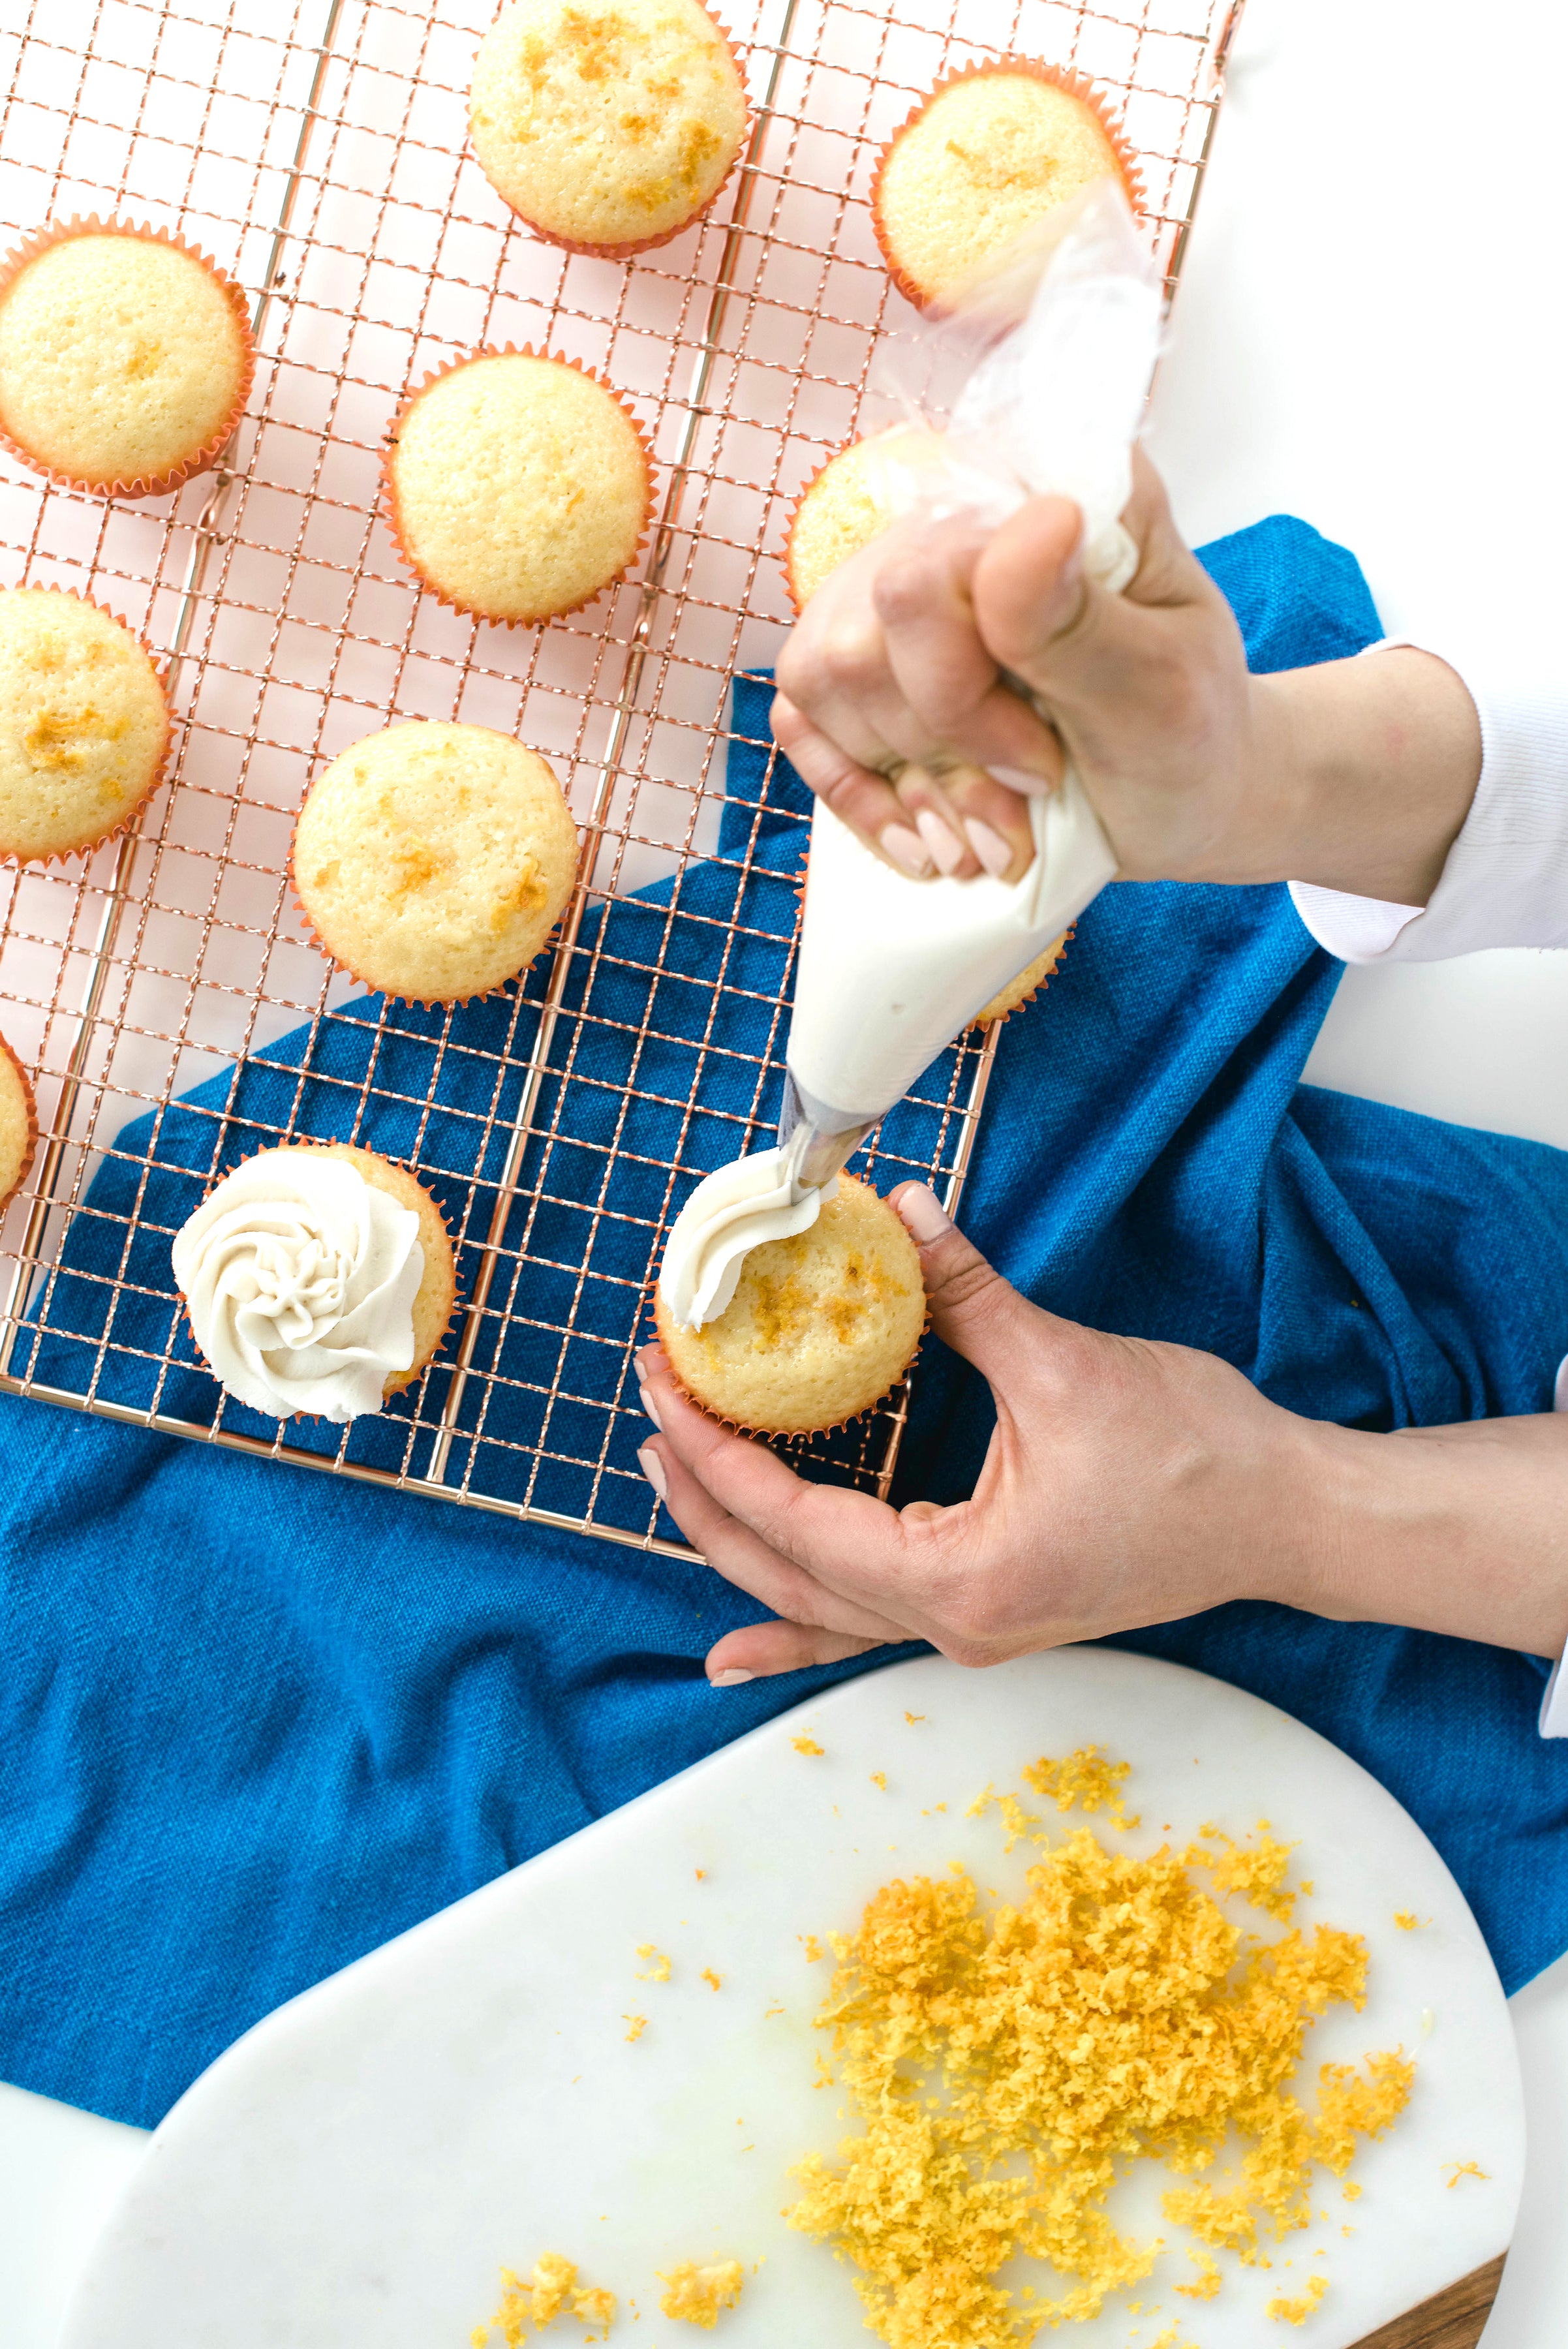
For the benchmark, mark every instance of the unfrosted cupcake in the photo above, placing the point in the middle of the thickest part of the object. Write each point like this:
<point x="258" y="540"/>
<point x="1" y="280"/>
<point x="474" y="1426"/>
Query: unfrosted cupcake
<point x="819" y="1327"/>
<point x="84" y="725"/>
<point x="607" y="125"/>
<point x="125" y="358"/>
<point x="850" y="502"/>
<point x="519" y="486"/>
<point x="19" y="1123"/>
<point x="1029" y="981"/>
<point x="991" y="152"/>
<point x="433" y="861"/>
<point x="318" y="1280"/>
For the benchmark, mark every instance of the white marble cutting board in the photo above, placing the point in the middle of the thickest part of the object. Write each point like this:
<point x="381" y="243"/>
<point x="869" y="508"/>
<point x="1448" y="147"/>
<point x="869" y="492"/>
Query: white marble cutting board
<point x="357" y="2169"/>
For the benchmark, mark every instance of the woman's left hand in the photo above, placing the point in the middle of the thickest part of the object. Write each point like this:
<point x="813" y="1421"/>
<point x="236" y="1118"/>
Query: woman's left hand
<point x="1126" y="1482"/>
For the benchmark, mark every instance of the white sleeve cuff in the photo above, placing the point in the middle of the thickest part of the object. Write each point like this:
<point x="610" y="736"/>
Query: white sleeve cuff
<point x="1555" y="1703"/>
<point x="1505" y="882"/>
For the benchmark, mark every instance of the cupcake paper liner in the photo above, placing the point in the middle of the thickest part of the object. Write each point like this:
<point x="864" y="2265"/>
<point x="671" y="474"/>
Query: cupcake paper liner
<point x="389" y="494"/>
<point x="1062" y="77"/>
<point x="401" y="1379"/>
<point x="646" y="243"/>
<point x="160" y="773"/>
<point x="31" y="1150"/>
<point x="1001" y="1018"/>
<point x="201" y="459"/>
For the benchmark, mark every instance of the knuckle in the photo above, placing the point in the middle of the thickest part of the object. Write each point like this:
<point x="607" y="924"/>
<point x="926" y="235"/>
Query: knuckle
<point x="965" y="1282"/>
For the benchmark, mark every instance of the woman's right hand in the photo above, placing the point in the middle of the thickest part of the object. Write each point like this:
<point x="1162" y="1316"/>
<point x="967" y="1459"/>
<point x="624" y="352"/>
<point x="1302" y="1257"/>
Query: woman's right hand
<point x="892" y="707"/>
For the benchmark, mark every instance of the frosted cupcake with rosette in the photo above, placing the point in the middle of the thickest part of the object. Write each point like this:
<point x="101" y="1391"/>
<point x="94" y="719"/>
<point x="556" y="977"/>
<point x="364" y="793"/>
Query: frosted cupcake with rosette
<point x="125" y="358"/>
<point x="518" y="486"/>
<point x="607" y="125"/>
<point x="83" y="724"/>
<point x="433" y="861"/>
<point x="819" y="1327"/>
<point x="318" y="1280"/>
<point x="19" y="1123"/>
<point x="989" y="153"/>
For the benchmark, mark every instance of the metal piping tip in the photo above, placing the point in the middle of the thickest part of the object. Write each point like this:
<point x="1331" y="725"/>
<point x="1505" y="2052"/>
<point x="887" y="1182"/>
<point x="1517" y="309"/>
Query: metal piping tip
<point x="819" y="1144"/>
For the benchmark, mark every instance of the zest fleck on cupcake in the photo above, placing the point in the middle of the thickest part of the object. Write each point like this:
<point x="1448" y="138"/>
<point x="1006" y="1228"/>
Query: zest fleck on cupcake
<point x="318" y="1280"/>
<point x="519" y="487"/>
<point x="19" y="1123"/>
<point x="83" y="724"/>
<point x="819" y="1327"/>
<point x="433" y="861"/>
<point x="607" y="125"/>
<point x="125" y="358"/>
<point x="992" y="150"/>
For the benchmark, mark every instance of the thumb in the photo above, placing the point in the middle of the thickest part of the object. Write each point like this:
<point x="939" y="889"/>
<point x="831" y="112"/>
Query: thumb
<point x="973" y="1310"/>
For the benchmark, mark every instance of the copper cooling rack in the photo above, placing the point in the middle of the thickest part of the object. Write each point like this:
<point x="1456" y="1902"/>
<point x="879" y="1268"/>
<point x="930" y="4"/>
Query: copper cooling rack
<point x="162" y="989"/>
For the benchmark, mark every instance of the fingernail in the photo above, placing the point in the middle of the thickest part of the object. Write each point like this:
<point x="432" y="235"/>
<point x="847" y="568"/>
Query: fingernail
<point x="941" y="839"/>
<point x="905" y="848"/>
<point x="922" y="1214"/>
<point x="652" y="1467"/>
<point x="989" y="846"/>
<point x="730" y="1679"/>
<point x="1019" y="778"/>
<point x="650" y="1407"/>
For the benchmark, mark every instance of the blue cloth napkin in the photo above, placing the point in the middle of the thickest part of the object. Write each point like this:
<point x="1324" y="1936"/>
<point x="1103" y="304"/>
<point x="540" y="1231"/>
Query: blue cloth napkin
<point x="254" y="1720"/>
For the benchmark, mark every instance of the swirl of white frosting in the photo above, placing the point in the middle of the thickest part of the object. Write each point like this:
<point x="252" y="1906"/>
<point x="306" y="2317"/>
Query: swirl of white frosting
<point x="299" y="1277"/>
<point x="729" y="1214"/>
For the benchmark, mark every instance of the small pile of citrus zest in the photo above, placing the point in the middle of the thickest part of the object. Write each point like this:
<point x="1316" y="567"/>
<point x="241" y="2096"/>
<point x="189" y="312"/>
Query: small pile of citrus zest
<point x="656" y="1965"/>
<point x="1296" y="2311"/>
<point x="1006" y="2068"/>
<point x="551" y="2291"/>
<point x="699" y="2295"/>
<point x="636" y="2025"/>
<point x="805" y="1745"/>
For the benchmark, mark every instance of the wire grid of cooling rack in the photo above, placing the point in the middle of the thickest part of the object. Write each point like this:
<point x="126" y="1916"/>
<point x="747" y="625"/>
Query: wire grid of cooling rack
<point x="163" y="990"/>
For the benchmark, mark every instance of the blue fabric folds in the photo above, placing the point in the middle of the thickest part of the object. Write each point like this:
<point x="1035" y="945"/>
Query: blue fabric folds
<point x="255" y="1720"/>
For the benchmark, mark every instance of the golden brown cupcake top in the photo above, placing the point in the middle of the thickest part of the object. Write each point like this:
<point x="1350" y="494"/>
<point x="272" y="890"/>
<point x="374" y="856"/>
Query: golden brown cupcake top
<point x="124" y="359"/>
<point x="606" y="124"/>
<point x="988" y="154"/>
<point x="84" y="725"/>
<point x="433" y="861"/>
<point x="519" y="486"/>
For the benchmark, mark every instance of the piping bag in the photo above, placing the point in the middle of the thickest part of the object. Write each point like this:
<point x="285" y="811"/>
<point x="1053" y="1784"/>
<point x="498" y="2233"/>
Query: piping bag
<point x="1036" y="384"/>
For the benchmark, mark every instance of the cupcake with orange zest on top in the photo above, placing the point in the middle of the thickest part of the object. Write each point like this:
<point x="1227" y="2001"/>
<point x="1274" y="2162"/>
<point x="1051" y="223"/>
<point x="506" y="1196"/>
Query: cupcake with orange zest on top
<point x="818" y="1329"/>
<point x="83" y="724"/>
<point x="607" y="125"/>
<point x="125" y="358"/>
<point x="19" y="1123"/>
<point x="991" y="152"/>
<point x="518" y="486"/>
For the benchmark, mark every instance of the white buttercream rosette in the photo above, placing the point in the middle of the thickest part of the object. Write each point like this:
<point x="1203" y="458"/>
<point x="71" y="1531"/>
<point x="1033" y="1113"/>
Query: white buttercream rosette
<point x="299" y="1277"/>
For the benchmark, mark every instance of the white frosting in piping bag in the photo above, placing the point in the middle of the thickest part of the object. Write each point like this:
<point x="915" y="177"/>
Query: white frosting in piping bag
<point x="299" y="1277"/>
<point x="748" y="1201"/>
<point x="891" y="969"/>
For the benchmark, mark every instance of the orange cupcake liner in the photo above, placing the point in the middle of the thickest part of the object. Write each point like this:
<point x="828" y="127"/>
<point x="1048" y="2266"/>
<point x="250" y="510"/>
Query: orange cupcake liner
<point x="1062" y="77"/>
<point x="390" y="494"/>
<point x="401" y="1379"/>
<point x="1001" y="1018"/>
<point x="201" y="459"/>
<point x="649" y="244"/>
<point x="31" y="1149"/>
<point x="160" y="670"/>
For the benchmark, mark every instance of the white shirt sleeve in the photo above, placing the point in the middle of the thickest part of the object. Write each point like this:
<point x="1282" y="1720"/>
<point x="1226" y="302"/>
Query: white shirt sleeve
<point x="1505" y="882"/>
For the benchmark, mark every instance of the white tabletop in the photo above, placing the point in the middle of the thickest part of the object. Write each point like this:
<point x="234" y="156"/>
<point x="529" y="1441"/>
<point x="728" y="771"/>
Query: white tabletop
<point x="1370" y="336"/>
